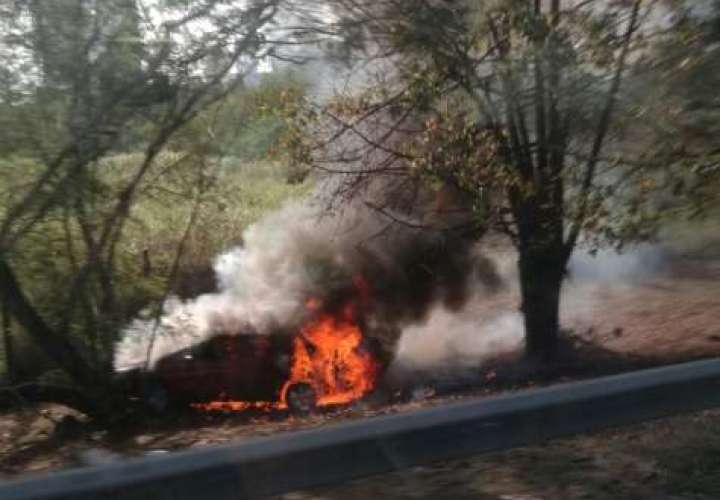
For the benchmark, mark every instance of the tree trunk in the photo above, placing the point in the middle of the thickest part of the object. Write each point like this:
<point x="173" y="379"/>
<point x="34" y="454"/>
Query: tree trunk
<point x="541" y="263"/>
<point x="541" y="275"/>
<point x="93" y="393"/>
<point x="8" y="348"/>
<point x="57" y="346"/>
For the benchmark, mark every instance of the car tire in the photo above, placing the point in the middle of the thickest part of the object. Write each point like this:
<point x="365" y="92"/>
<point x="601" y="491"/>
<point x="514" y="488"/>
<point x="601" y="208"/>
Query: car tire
<point x="301" y="399"/>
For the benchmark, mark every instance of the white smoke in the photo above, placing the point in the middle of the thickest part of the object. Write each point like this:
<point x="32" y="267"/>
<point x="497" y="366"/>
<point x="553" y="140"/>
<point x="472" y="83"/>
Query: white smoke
<point x="451" y="344"/>
<point x="260" y="286"/>
<point x="635" y="264"/>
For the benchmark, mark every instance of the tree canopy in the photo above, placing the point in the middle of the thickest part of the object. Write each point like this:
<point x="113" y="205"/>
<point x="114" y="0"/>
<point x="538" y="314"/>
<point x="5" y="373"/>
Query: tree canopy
<point x="543" y="113"/>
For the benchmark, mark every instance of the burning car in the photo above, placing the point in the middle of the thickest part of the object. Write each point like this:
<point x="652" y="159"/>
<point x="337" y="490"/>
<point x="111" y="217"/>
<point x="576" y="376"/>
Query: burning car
<point x="328" y="361"/>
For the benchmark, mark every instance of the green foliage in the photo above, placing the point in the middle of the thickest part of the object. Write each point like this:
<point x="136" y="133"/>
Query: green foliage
<point x="677" y="111"/>
<point x="250" y="123"/>
<point x="236" y="195"/>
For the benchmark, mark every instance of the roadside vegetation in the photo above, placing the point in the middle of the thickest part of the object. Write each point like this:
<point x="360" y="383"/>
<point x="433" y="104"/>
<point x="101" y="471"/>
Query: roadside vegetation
<point x="218" y="173"/>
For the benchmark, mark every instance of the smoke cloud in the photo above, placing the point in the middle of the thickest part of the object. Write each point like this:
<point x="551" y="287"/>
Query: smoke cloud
<point x="638" y="263"/>
<point x="456" y="345"/>
<point x="397" y="262"/>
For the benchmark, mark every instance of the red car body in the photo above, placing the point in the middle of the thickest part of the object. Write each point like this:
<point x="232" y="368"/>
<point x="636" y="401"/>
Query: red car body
<point x="227" y="367"/>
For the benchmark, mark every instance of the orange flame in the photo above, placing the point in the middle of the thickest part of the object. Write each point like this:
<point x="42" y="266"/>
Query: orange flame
<point x="238" y="406"/>
<point x="328" y="354"/>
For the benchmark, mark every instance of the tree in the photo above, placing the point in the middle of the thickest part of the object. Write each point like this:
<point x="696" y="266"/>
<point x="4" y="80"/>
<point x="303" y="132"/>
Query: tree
<point x="682" y="71"/>
<point x="87" y="73"/>
<point x="519" y="104"/>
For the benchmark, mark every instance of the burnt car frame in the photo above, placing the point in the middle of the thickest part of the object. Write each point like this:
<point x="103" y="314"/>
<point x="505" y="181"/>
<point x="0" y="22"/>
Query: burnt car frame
<point x="225" y="367"/>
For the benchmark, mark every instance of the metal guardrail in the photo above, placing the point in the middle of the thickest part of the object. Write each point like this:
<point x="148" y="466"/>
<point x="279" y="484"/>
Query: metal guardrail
<point x="341" y="452"/>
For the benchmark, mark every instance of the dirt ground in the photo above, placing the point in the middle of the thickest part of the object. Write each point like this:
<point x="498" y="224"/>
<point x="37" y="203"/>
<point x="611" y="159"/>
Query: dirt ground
<point x="672" y="317"/>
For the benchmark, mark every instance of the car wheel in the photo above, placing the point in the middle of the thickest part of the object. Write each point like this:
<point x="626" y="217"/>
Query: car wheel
<point x="156" y="397"/>
<point x="301" y="399"/>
